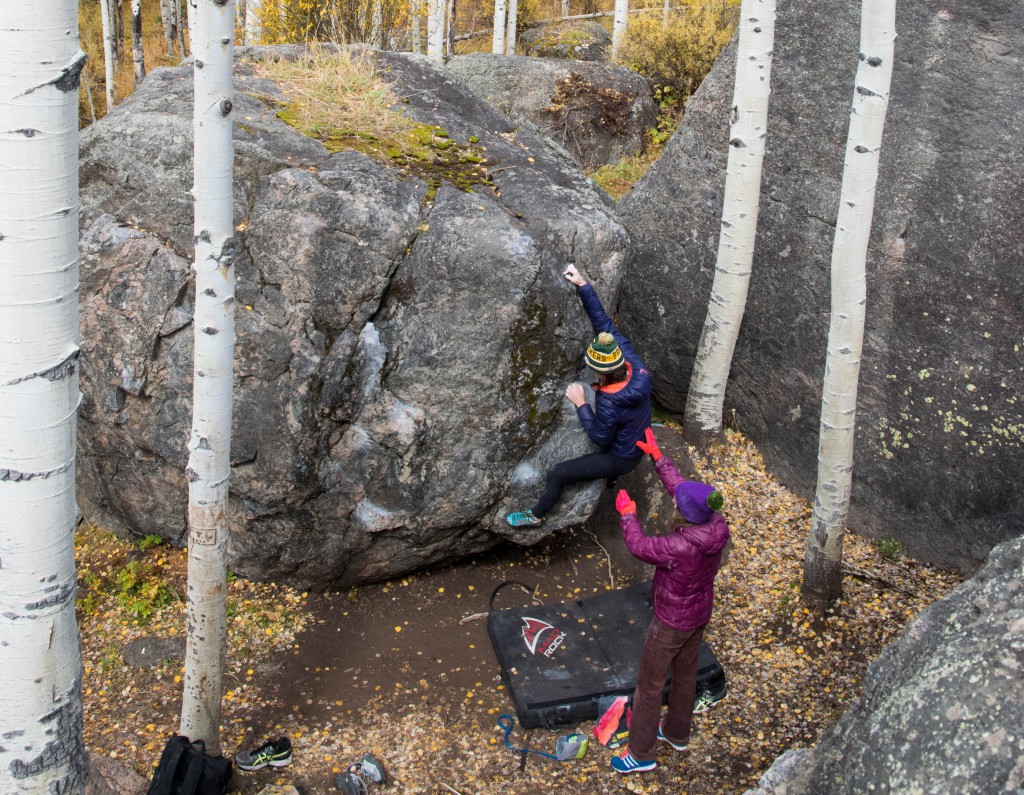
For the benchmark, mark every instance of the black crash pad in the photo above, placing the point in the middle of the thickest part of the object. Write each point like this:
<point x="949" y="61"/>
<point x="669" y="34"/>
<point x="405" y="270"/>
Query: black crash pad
<point x="559" y="660"/>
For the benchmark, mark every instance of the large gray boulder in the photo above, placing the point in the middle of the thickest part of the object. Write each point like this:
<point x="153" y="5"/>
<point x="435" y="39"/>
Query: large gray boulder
<point x="939" y="451"/>
<point x="401" y="357"/>
<point x="943" y="706"/>
<point x="578" y="40"/>
<point x="600" y="113"/>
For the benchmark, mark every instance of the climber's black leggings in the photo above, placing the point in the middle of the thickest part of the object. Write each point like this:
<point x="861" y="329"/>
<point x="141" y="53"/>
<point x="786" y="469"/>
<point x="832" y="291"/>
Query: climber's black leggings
<point x="593" y="466"/>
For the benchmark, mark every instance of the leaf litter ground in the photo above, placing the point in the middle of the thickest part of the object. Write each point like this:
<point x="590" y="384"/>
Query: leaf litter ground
<point x="405" y="670"/>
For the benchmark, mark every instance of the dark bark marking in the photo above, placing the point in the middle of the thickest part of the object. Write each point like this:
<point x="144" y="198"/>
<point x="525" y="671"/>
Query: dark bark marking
<point x="28" y="133"/>
<point x="866" y="92"/>
<point x="64" y="593"/>
<point x="69" y="76"/>
<point x="225" y="104"/>
<point x="65" y="749"/>
<point x="191" y="474"/>
<point x="210" y="330"/>
<point x="62" y="370"/>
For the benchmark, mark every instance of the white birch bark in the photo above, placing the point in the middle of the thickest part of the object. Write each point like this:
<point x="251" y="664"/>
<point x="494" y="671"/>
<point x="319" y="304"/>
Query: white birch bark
<point x="377" y="25"/>
<point x="42" y="749"/>
<point x="181" y="28"/>
<point x="138" y="56"/>
<point x="449" y="31"/>
<point x="498" y="40"/>
<point x="415" y="14"/>
<point x="253" y="27"/>
<point x="435" y="29"/>
<point x="510" y="27"/>
<point x="822" y="583"/>
<point x="666" y="7"/>
<point x="190" y="21"/>
<point x="738" y="230"/>
<point x="167" y="22"/>
<point x="214" y="329"/>
<point x="565" y="8"/>
<point x="108" y="52"/>
<point x="619" y="22"/>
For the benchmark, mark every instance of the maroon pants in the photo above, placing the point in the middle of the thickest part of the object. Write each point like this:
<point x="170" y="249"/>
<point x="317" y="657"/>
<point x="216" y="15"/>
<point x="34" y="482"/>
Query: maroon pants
<point x="664" y="648"/>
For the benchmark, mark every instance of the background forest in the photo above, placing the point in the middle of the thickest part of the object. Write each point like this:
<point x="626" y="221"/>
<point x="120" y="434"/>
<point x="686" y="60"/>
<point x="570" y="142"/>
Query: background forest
<point x="672" y="47"/>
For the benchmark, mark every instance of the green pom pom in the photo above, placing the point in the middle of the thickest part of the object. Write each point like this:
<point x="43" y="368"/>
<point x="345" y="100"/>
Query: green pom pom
<point x="715" y="500"/>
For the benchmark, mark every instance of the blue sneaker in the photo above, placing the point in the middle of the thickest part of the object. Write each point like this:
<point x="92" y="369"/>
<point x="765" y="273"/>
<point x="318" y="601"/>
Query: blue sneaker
<point x="665" y="739"/>
<point x="523" y="519"/>
<point x="627" y="763"/>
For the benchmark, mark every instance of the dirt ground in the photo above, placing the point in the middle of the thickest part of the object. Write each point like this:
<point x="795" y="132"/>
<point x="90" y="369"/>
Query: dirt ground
<point x="405" y="669"/>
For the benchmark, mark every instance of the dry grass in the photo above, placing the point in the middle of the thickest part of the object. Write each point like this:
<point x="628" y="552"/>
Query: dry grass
<point x="338" y="90"/>
<point x="618" y="178"/>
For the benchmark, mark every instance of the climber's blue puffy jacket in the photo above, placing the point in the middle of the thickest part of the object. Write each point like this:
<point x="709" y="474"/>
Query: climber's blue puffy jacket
<point x="622" y="411"/>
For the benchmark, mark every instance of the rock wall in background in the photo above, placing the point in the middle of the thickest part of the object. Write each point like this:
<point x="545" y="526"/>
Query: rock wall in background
<point x="940" y="425"/>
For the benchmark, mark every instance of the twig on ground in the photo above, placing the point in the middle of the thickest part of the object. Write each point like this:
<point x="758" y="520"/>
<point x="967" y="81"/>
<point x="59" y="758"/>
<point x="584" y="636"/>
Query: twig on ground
<point x="865" y="577"/>
<point x="607" y="557"/>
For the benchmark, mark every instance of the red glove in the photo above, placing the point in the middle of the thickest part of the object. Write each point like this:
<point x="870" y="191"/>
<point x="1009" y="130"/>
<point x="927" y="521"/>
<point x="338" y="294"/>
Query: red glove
<point x="650" y="446"/>
<point x="623" y="504"/>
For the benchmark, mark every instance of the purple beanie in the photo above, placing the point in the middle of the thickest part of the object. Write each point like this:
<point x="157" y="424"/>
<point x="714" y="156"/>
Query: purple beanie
<point x="692" y="501"/>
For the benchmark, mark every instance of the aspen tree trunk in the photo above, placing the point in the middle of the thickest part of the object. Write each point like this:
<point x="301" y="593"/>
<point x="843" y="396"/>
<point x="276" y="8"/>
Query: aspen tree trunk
<point x="510" y="27"/>
<point x="449" y="39"/>
<point x="117" y="18"/>
<point x="377" y="25"/>
<point x="565" y="8"/>
<point x="108" y="52"/>
<point x="253" y="29"/>
<point x="822" y="583"/>
<point x="747" y="131"/>
<point x="138" y="56"/>
<point x="415" y="12"/>
<point x="181" y="28"/>
<point x="664" y="13"/>
<point x="42" y="750"/>
<point x="619" y="21"/>
<point x="190" y="21"/>
<point x="214" y="328"/>
<point x="435" y="30"/>
<point x="498" y="40"/>
<point x="167" y="22"/>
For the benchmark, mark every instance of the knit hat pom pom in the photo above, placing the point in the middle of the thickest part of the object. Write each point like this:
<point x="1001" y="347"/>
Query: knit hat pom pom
<point x="604" y="338"/>
<point x="715" y="500"/>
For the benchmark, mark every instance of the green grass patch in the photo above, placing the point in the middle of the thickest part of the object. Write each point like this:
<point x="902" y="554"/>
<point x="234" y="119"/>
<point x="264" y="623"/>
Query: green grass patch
<point x="338" y="98"/>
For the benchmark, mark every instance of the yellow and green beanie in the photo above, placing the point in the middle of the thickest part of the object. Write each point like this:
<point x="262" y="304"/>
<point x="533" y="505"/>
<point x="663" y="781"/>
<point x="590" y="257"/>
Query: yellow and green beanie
<point x="603" y="354"/>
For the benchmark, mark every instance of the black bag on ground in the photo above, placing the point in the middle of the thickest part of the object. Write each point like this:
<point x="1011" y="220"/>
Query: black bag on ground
<point x="186" y="769"/>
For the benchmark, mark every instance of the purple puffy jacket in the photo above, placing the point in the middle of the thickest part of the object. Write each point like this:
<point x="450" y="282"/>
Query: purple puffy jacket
<point x="686" y="561"/>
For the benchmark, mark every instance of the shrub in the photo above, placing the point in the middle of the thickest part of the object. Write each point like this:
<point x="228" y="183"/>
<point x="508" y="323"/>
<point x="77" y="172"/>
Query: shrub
<point x="677" y="56"/>
<point x="890" y="549"/>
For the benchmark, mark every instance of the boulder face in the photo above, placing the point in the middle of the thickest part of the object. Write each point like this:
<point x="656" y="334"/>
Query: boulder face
<point x="600" y="113"/>
<point x="942" y="707"/>
<point x="402" y="354"/>
<point x="940" y="420"/>
<point x="579" y="40"/>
